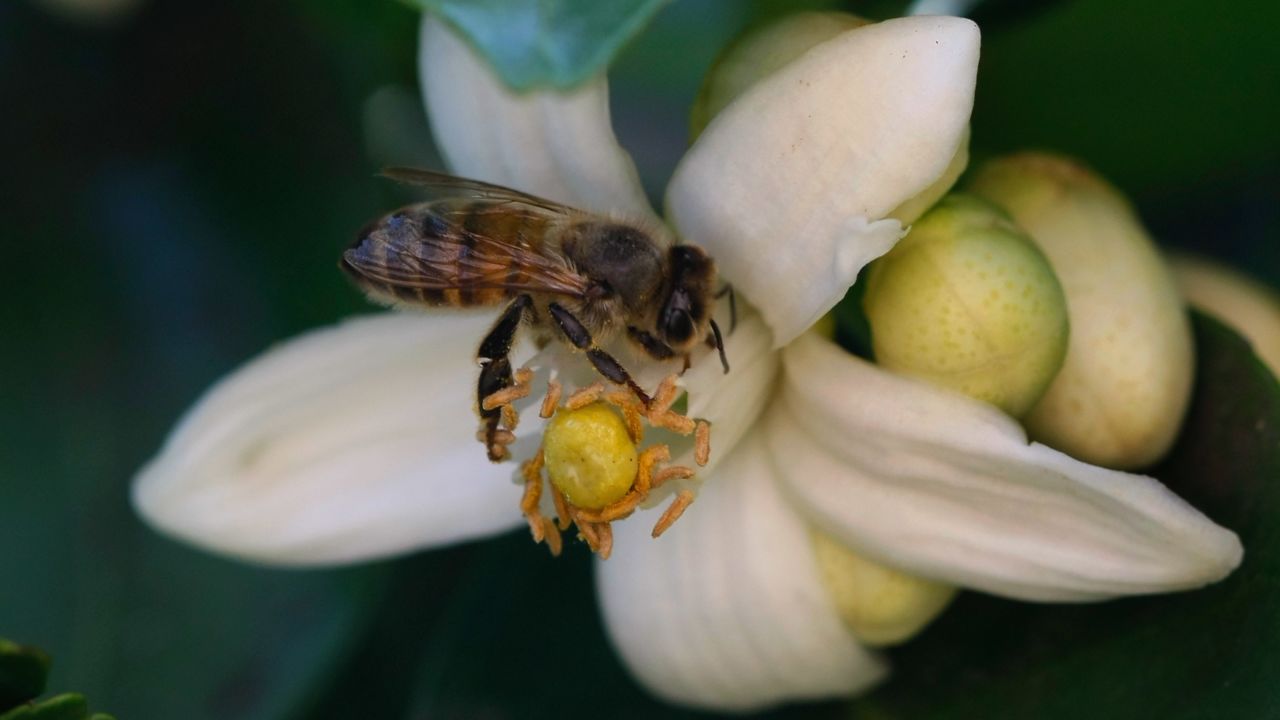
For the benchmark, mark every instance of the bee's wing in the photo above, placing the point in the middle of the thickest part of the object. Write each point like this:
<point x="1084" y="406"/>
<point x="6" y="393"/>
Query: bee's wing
<point x="446" y="254"/>
<point x="451" y="186"/>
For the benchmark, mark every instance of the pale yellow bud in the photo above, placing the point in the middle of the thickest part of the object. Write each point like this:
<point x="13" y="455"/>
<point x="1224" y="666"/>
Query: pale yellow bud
<point x="761" y="52"/>
<point x="589" y="455"/>
<point x="967" y="302"/>
<point x="826" y="326"/>
<point x="1124" y="387"/>
<point x="1241" y="302"/>
<point x="879" y="605"/>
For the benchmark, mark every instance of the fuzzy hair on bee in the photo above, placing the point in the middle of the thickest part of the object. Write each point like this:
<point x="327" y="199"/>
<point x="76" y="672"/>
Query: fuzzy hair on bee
<point x="572" y="276"/>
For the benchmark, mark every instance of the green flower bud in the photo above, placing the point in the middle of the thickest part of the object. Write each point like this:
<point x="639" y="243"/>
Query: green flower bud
<point x="967" y="302"/>
<point x="759" y="53"/>
<point x="879" y="605"/>
<point x="1124" y="387"/>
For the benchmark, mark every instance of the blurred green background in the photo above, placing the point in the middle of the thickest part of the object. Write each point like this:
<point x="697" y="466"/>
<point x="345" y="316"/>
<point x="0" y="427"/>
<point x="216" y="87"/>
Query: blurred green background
<point x="177" y="182"/>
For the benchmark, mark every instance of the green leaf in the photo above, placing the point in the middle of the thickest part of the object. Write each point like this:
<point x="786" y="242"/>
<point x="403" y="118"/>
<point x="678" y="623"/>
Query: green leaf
<point x="522" y="633"/>
<point x="522" y="636"/>
<point x="1163" y="98"/>
<point x="68" y="706"/>
<point x="1207" y="653"/>
<point x="23" y="671"/>
<point x="557" y="43"/>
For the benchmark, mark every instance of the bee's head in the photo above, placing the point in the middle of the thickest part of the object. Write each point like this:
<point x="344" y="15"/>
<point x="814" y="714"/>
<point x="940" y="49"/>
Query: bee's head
<point x="686" y="313"/>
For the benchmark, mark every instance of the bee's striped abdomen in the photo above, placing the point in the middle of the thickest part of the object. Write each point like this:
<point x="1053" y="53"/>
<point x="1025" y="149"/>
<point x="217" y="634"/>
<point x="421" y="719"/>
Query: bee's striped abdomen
<point x="445" y="253"/>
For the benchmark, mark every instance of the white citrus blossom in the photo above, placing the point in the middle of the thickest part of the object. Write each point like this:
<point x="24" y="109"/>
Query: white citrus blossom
<point x="353" y="442"/>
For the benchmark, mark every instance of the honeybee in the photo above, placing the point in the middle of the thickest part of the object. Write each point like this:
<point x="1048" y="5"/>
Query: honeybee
<point x="571" y="275"/>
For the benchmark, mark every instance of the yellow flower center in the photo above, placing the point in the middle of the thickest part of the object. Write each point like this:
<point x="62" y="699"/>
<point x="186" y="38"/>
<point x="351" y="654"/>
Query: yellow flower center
<point x="590" y="457"/>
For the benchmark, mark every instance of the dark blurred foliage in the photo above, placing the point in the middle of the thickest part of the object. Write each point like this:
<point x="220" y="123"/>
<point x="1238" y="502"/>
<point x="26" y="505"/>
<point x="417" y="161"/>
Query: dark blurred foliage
<point x="175" y="187"/>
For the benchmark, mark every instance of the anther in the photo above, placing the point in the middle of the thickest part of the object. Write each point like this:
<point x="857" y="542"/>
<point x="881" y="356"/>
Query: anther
<point x="702" y="443"/>
<point x="536" y="528"/>
<point x="500" y="437"/>
<point x="613" y="511"/>
<point x="605" y="542"/>
<point x="532" y="471"/>
<point x="630" y="407"/>
<point x="665" y="396"/>
<point x="674" y="422"/>
<point x="539" y="527"/>
<point x="554" y="541"/>
<point x="675" y="472"/>
<point x="510" y="418"/>
<point x="585" y="396"/>
<point x="588" y="532"/>
<point x="673" y="512"/>
<point x="660" y="414"/>
<point x="563" y="519"/>
<point x="507" y="395"/>
<point x="649" y="457"/>
<point x="552" y="400"/>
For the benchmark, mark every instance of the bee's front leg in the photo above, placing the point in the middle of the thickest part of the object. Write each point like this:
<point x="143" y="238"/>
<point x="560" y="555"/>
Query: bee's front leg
<point x="603" y="362"/>
<point x="496" y="376"/>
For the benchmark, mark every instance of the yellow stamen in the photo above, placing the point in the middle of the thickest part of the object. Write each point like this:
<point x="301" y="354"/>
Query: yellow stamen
<point x="507" y="395"/>
<point x="552" y="400"/>
<point x="673" y="512"/>
<point x="702" y="443"/>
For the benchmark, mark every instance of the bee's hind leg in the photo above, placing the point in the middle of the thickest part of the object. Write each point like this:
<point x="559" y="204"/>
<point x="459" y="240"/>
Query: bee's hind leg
<point x="603" y="362"/>
<point x="496" y="379"/>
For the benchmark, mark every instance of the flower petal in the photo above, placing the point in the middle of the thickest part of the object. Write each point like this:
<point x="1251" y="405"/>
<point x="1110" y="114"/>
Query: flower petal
<point x="727" y="609"/>
<point x="1245" y="304"/>
<point x="347" y="443"/>
<point x="555" y="144"/>
<point x="732" y="401"/>
<point x="947" y="487"/>
<point x="789" y="186"/>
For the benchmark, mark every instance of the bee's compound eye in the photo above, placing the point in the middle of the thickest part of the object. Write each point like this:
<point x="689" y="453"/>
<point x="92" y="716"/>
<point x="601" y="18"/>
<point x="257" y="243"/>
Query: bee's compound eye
<point x="677" y="327"/>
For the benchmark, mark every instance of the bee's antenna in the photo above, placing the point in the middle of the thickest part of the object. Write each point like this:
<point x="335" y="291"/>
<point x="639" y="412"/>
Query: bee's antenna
<point x="733" y="306"/>
<point x="715" y="332"/>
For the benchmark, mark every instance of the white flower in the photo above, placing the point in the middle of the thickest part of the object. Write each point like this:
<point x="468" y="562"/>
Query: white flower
<point x="355" y="442"/>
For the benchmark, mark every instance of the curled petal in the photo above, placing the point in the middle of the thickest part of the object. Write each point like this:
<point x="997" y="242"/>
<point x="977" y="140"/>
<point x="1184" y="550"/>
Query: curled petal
<point x="347" y="443"/>
<point x="948" y="487"/>
<point x="727" y="609"/>
<point x="556" y="144"/>
<point x="790" y="185"/>
<point x="1250" y="307"/>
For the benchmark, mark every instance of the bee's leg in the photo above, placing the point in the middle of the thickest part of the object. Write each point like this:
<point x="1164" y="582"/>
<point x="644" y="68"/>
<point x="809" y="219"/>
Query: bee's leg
<point x="495" y="371"/>
<point x="716" y="341"/>
<point x="603" y="362"/>
<point x="733" y="306"/>
<point x="657" y="349"/>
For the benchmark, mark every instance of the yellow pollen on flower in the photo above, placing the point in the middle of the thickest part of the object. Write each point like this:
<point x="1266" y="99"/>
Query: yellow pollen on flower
<point x="589" y="455"/>
<point x="597" y="474"/>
